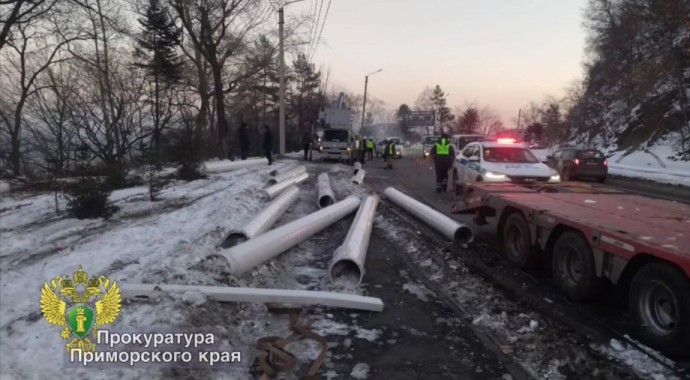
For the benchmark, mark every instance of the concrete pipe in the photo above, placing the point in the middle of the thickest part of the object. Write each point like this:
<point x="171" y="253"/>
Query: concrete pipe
<point x="263" y="222"/>
<point x="326" y="196"/>
<point x="227" y="165"/>
<point x="347" y="266"/>
<point x="357" y="167"/>
<point x="286" y="174"/>
<point x="359" y="177"/>
<point x="243" y="257"/>
<point x="275" y="190"/>
<point x="284" y="168"/>
<point x="448" y="227"/>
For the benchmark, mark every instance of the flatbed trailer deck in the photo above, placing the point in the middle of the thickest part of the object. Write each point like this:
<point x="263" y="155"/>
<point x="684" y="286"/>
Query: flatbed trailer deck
<point x="592" y="234"/>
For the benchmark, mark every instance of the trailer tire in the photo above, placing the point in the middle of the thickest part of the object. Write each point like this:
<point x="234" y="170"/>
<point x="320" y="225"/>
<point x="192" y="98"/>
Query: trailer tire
<point x="573" y="267"/>
<point x="517" y="243"/>
<point x="658" y="300"/>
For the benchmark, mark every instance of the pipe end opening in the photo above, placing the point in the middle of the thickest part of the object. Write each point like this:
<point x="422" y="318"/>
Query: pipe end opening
<point x="272" y="181"/>
<point x="234" y="238"/>
<point x="346" y="273"/>
<point x="325" y="201"/>
<point x="464" y="235"/>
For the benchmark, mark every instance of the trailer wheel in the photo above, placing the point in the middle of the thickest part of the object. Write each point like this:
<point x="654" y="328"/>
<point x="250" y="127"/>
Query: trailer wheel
<point x="517" y="243"/>
<point x="658" y="300"/>
<point x="573" y="267"/>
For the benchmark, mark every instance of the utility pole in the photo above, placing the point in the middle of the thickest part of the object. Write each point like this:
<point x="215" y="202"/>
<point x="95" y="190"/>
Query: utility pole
<point x="364" y="105"/>
<point x="519" y="115"/>
<point x="281" y="57"/>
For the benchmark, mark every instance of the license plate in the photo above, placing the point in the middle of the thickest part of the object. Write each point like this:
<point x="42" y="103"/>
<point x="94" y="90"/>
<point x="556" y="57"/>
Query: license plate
<point x="592" y="163"/>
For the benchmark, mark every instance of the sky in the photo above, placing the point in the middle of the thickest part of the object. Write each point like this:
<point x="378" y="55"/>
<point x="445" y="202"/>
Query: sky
<point x="498" y="53"/>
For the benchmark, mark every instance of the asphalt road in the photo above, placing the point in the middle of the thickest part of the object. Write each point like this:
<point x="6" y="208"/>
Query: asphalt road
<point x="592" y="323"/>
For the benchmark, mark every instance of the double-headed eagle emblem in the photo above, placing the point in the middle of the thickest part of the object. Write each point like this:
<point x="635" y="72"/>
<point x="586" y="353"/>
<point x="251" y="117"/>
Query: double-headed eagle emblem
<point x="79" y="305"/>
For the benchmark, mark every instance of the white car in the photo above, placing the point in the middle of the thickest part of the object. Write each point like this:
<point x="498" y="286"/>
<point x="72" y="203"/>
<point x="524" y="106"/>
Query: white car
<point x="502" y="161"/>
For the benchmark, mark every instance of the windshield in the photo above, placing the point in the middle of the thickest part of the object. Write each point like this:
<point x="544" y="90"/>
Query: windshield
<point x="509" y="154"/>
<point x="430" y="140"/>
<point x="589" y="154"/>
<point x="335" y="136"/>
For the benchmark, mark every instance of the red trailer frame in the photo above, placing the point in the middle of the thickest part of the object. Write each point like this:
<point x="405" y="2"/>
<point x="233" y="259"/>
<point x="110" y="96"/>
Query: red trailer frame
<point x="625" y="232"/>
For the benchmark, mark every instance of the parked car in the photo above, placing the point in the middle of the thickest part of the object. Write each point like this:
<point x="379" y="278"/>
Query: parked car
<point x="428" y="144"/>
<point x="574" y="163"/>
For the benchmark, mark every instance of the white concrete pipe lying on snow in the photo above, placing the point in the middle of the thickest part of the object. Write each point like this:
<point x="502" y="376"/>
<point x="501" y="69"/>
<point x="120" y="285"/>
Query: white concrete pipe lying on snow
<point x="242" y="258"/>
<point x="227" y="165"/>
<point x="357" y="167"/>
<point x="326" y="196"/>
<point x="448" y="227"/>
<point x="359" y="177"/>
<point x="275" y="190"/>
<point x="347" y="266"/>
<point x="284" y="168"/>
<point x="287" y="174"/>
<point x="266" y="218"/>
<point x="228" y="294"/>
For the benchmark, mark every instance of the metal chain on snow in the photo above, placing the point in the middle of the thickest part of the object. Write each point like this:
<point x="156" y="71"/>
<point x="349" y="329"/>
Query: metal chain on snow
<point x="273" y="358"/>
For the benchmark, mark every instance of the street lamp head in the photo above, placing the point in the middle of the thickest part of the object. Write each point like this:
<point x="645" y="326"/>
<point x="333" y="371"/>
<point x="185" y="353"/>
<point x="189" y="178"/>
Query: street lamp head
<point x="377" y="71"/>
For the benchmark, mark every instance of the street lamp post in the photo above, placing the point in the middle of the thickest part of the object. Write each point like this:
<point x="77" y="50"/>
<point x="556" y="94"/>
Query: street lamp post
<point x="364" y="105"/>
<point x="281" y="54"/>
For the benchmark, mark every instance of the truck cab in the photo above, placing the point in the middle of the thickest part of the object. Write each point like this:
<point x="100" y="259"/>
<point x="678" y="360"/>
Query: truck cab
<point x="337" y="145"/>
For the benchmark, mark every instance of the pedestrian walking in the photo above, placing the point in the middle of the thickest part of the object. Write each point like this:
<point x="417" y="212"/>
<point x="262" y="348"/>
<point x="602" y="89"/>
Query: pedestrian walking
<point x="306" y="145"/>
<point x="244" y="141"/>
<point x="268" y="144"/>
<point x="390" y="154"/>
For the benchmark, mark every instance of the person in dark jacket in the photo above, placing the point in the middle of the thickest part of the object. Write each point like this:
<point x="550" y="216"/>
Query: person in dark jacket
<point x="443" y="154"/>
<point x="268" y="144"/>
<point x="244" y="141"/>
<point x="306" y="144"/>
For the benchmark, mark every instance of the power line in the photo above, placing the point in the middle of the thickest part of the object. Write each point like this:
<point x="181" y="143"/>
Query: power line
<point x="316" y="46"/>
<point x="313" y="25"/>
<point x="316" y="29"/>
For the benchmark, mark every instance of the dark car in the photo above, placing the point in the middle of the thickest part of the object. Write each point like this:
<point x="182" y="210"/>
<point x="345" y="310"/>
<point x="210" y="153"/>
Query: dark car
<point x="574" y="164"/>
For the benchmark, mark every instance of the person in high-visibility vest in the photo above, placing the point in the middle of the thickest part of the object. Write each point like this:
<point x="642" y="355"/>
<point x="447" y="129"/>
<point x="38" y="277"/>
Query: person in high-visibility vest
<point x="370" y="148"/>
<point x="389" y="153"/>
<point x="443" y="154"/>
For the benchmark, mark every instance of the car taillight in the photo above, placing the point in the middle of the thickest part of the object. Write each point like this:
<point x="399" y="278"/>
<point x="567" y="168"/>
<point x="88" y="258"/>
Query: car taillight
<point x="606" y="162"/>
<point x="576" y="161"/>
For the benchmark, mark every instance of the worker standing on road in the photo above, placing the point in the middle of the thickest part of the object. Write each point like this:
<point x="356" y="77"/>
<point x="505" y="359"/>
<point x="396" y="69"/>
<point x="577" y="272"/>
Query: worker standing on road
<point x="390" y="154"/>
<point x="443" y="154"/>
<point x="370" y="148"/>
<point x="268" y="144"/>
<point x="362" y="148"/>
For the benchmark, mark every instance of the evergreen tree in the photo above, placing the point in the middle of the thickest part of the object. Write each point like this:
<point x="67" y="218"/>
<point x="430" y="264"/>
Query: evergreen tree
<point x="438" y="99"/>
<point x="469" y="121"/>
<point x="402" y="114"/>
<point x="157" y="54"/>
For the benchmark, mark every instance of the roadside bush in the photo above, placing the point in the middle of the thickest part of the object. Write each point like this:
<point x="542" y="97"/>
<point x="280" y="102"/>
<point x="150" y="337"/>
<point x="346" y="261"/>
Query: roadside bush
<point x="89" y="199"/>
<point x="190" y="171"/>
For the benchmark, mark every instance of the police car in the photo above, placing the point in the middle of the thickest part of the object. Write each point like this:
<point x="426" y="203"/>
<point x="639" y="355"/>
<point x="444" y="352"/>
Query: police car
<point x="502" y="160"/>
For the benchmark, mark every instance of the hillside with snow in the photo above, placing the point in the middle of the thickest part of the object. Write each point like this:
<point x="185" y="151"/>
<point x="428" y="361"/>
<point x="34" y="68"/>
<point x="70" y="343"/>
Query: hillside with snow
<point x="635" y="94"/>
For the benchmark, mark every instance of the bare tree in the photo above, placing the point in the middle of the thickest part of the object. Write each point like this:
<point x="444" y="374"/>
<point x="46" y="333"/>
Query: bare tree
<point x="218" y="30"/>
<point x="40" y="42"/>
<point x="14" y="13"/>
<point x="489" y="121"/>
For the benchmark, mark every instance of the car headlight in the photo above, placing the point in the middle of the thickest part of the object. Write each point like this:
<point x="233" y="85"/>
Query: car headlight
<point x="495" y="176"/>
<point x="555" y="178"/>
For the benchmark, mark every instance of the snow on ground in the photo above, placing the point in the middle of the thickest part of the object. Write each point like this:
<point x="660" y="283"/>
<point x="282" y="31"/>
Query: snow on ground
<point x="167" y="241"/>
<point x="641" y="362"/>
<point x="653" y="165"/>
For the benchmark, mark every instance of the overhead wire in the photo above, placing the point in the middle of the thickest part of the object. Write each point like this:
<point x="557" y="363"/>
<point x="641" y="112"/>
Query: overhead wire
<point x="316" y="29"/>
<point x="323" y="24"/>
